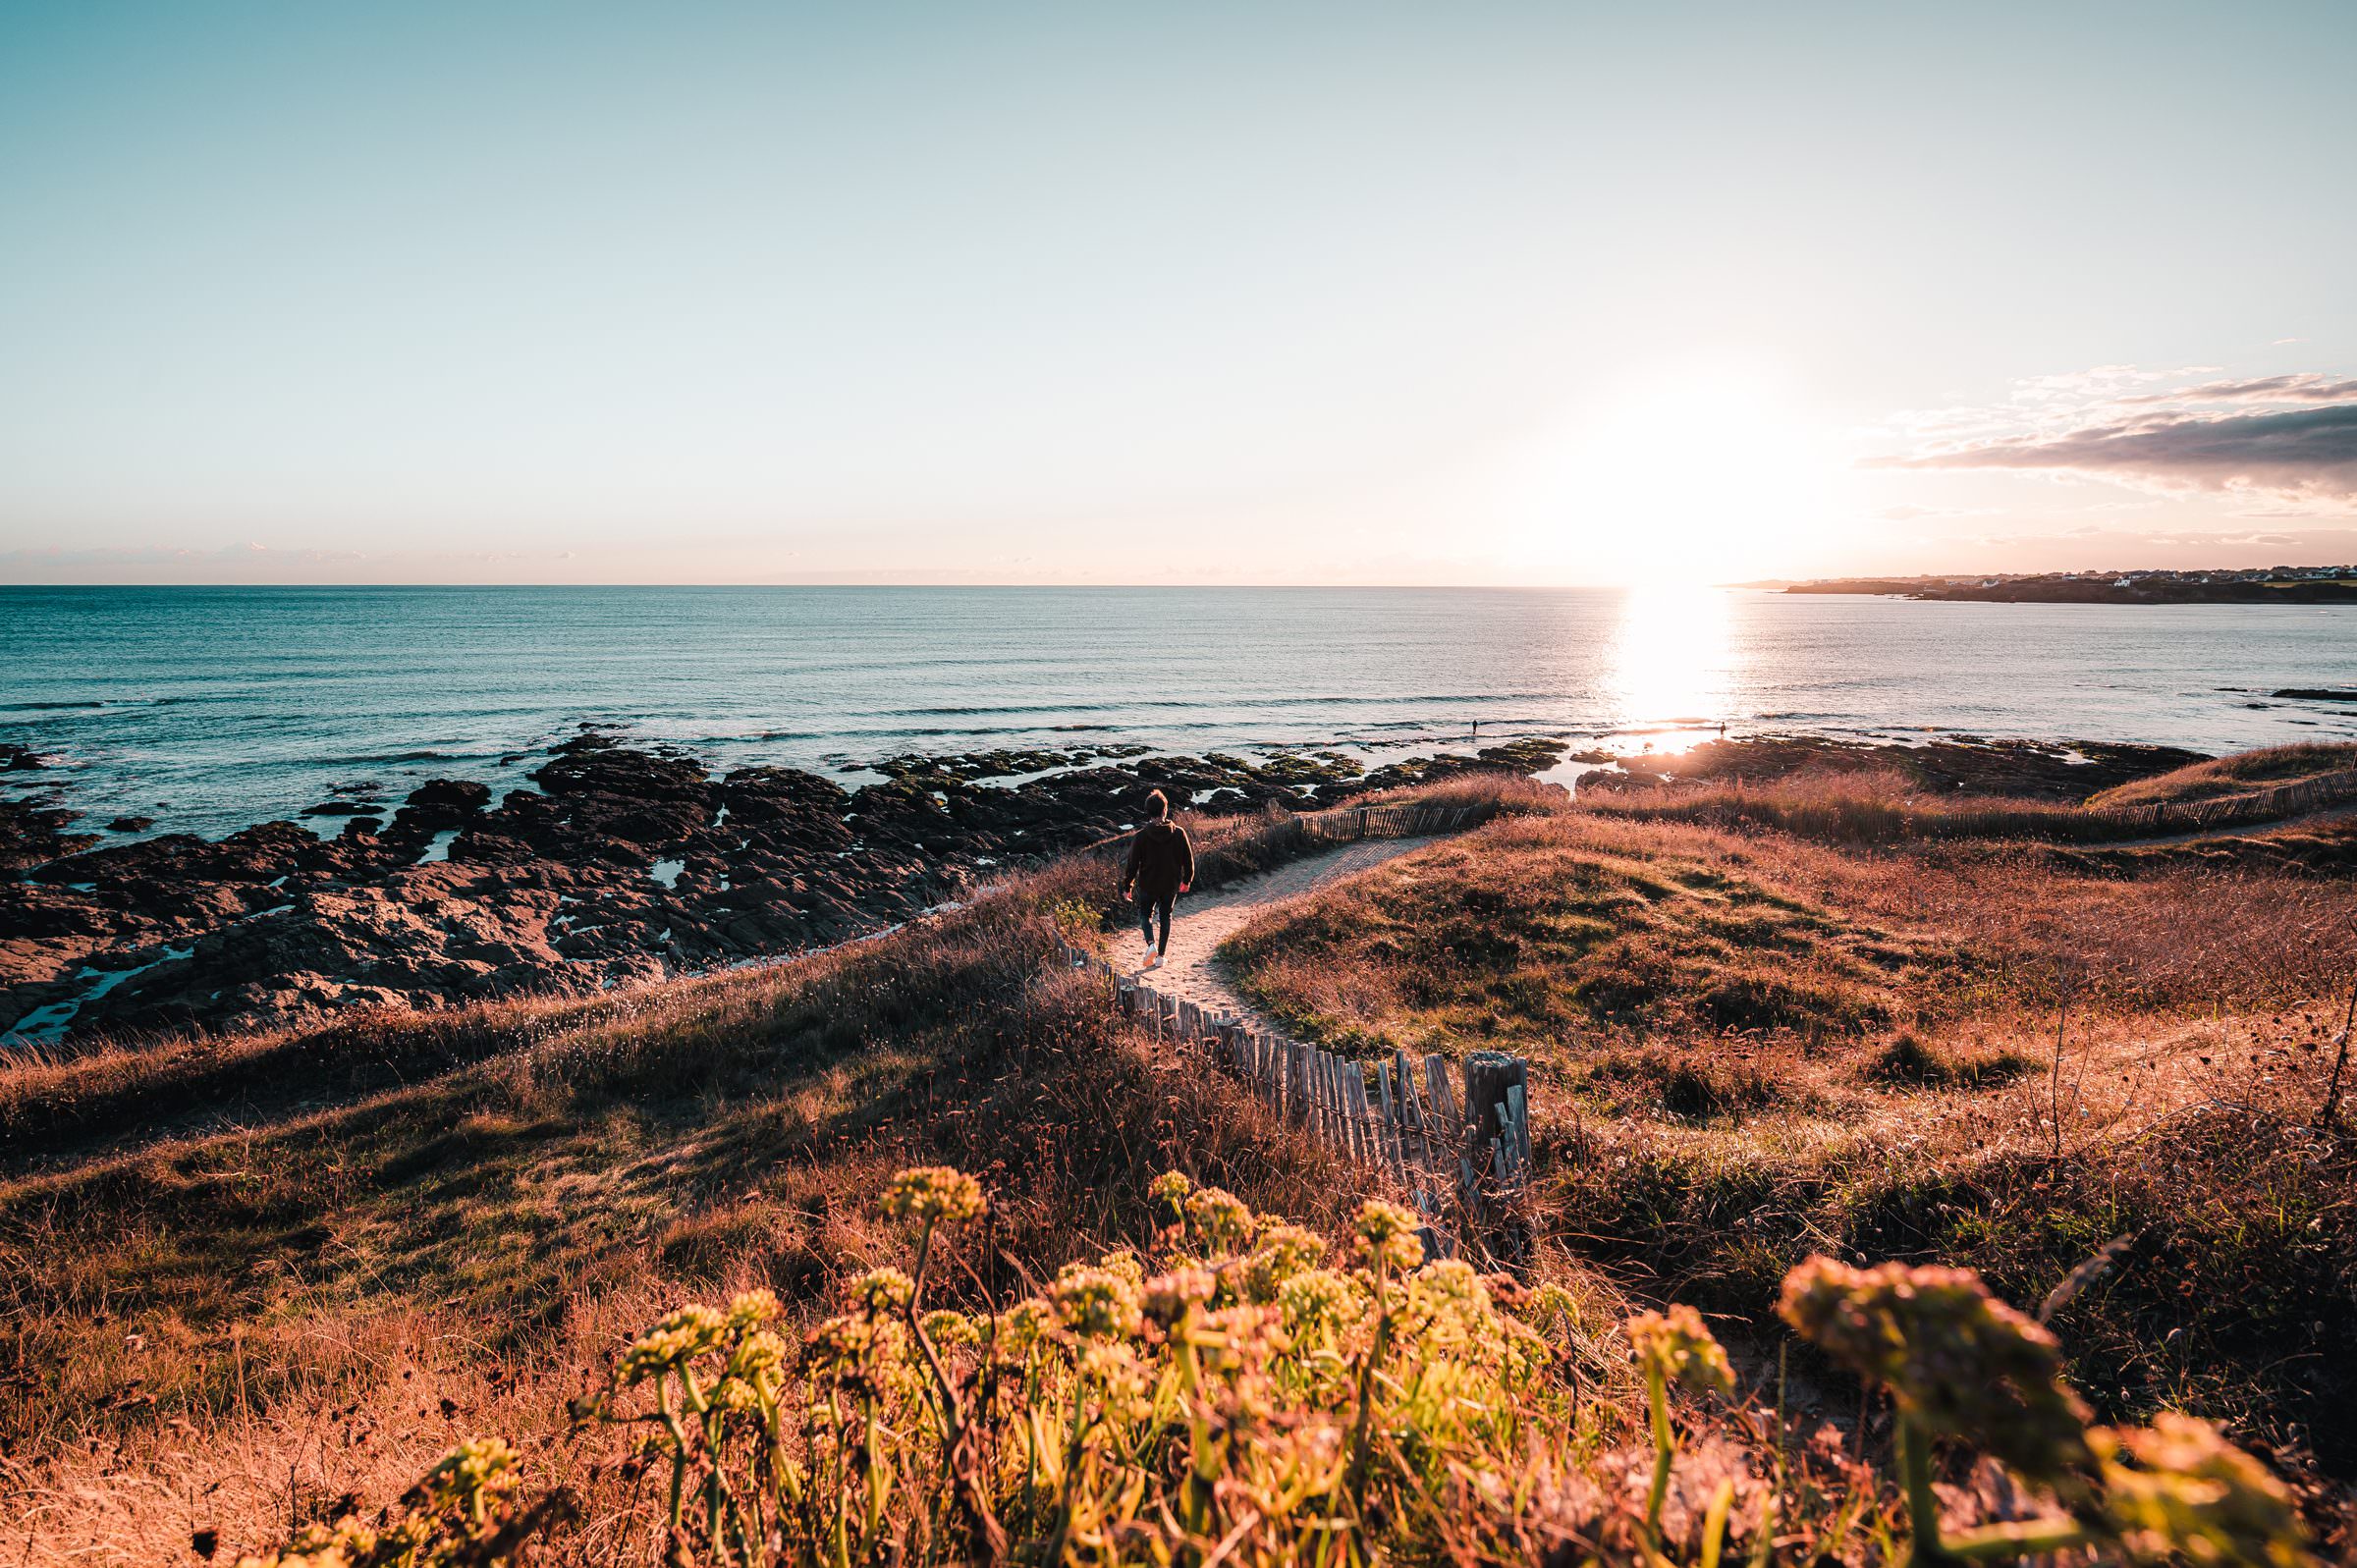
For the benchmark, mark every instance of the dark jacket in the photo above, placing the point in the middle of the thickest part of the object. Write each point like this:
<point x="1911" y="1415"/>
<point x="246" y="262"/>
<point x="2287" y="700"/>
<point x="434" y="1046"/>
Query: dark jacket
<point x="1161" y="860"/>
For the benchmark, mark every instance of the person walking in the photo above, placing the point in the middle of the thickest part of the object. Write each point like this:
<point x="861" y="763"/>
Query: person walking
<point x="1160" y="867"/>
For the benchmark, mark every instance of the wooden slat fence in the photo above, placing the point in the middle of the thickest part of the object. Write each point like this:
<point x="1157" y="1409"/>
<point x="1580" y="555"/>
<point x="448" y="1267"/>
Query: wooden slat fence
<point x="2260" y="805"/>
<point x="1349" y="823"/>
<point x="1453" y="1138"/>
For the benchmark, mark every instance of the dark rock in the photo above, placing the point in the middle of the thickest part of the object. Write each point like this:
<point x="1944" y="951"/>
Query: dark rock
<point x="460" y="795"/>
<point x="131" y="824"/>
<point x="439" y="804"/>
<point x="31" y="831"/>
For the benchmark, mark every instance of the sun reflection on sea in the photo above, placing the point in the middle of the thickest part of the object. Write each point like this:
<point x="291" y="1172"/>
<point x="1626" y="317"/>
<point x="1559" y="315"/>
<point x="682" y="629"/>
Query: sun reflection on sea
<point x="1669" y="680"/>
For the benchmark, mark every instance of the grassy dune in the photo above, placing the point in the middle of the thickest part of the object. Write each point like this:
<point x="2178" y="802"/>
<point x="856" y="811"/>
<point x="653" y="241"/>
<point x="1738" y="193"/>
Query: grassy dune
<point x="2243" y="773"/>
<point x="244" y="1279"/>
<point x="1757" y="1043"/>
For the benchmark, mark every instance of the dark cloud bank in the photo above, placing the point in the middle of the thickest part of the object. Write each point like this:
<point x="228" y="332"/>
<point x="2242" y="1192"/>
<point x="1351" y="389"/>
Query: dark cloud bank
<point x="2302" y="454"/>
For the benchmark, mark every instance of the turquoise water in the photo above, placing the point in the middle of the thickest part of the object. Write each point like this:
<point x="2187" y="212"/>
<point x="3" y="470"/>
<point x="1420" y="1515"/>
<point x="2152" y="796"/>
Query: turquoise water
<point x="211" y="708"/>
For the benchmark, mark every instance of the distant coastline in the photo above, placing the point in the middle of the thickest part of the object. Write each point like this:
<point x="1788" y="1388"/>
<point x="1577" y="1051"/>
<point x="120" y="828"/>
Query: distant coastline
<point x="2289" y="585"/>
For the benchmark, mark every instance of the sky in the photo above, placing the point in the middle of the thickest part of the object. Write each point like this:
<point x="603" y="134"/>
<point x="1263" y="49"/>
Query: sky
<point x="1109" y="293"/>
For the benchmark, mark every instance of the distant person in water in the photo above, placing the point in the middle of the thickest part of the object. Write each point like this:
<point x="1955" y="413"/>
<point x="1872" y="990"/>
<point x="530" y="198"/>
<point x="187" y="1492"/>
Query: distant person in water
<point x="1162" y="866"/>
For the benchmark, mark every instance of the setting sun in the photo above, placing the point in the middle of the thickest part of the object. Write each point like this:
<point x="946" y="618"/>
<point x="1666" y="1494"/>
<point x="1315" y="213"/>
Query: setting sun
<point x="1702" y="473"/>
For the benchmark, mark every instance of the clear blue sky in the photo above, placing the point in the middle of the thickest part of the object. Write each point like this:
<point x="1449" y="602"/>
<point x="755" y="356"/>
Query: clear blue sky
<point x="1464" y="293"/>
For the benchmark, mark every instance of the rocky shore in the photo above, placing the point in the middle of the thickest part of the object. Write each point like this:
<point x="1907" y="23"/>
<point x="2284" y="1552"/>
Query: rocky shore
<point x="618" y="864"/>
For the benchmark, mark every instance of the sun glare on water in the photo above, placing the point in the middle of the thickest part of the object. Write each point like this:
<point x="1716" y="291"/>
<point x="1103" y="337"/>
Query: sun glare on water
<point x="1671" y="661"/>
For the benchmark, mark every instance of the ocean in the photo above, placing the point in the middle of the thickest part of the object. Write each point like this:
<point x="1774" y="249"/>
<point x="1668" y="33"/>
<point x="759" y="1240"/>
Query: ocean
<point x="208" y="709"/>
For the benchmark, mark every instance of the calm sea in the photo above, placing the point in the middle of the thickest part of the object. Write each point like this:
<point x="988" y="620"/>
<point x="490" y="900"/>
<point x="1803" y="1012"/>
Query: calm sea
<point x="211" y="708"/>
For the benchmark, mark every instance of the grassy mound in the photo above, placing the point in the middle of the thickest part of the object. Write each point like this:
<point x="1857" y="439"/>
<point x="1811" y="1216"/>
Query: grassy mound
<point x="2243" y="773"/>
<point x="1530" y="931"/>
<point x="1753" y="1046"/>
<point x="1857" y="807"/>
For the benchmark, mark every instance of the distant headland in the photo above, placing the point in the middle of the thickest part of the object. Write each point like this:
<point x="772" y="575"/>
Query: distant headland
<point x="2301" y="585"/>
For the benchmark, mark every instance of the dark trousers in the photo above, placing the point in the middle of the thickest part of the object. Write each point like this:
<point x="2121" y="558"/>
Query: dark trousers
<point x="1150" y="905"/>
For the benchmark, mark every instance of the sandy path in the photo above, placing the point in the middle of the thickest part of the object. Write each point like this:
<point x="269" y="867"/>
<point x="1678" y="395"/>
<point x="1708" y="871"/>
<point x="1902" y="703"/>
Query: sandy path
<point x="1206" y="919"/>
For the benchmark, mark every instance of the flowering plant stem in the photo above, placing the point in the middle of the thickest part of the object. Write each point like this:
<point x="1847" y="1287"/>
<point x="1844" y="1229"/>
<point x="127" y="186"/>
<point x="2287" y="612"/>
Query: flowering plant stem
<point x="1665" y="1447"/>
<point x="1362" y="1434"/>
<point x="1923" y="1507"/>
<point x="2028" y="1538"/>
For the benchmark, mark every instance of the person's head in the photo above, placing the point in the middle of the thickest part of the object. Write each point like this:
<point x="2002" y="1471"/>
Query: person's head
<point x="1160" y="804"/>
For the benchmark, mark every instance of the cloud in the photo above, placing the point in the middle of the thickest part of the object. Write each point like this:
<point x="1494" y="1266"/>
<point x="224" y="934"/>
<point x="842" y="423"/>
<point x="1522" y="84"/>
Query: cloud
<point x="2308" y="386"/>
<point x="2288" y="439"/>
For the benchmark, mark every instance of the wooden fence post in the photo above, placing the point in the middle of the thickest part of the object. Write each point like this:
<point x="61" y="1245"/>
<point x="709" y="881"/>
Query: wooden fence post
<point x="1391" y="1124"/>
<point x="1494" y="1084"/>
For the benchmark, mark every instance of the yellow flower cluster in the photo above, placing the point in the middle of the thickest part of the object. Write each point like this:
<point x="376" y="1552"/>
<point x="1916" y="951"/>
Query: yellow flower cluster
<point x="450" y="1518"/>
<point x="2177" y="1489"/>
<point x="934" y="1192"/>
<point x="1676" y="1345"/>
<point x="694" y="1330"/>
<point x="1095" y="1303"/>
<point x="1222" y="1221"/>
<point x="1235" y="1395"/>
<point x="880" y="1291"/>
<point x="1387" y="1233"/>
<point x="1960" y="1363"/>
<point x="1955" y="1359"/>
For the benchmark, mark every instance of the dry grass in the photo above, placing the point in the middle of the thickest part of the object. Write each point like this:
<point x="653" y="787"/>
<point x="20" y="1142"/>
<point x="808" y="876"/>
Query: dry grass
<point x="1752" y="1045"/>
<point x="1857" y="807"/>
<point x="1239" y="845"/>
<point x="246" y="1279"/>
<point x="297" y="1292"/>
<point x="243" y="1278"/>
<point x="1537" y="928"/>
<point x="2243" y="773"/>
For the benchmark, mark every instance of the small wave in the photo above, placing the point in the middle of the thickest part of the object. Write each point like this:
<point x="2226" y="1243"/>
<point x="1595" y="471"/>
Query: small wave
<point x="365" y="758"/>
<point x="741" y="737"/>
<point x="1223" y="705"/>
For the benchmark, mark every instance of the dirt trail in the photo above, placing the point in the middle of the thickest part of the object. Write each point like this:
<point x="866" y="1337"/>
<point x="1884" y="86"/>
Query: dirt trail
<point x="1206" y="919"/>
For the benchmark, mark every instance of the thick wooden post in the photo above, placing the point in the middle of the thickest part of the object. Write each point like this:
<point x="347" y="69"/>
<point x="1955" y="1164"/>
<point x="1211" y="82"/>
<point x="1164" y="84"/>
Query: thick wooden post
<point x="1489" y="1076"/>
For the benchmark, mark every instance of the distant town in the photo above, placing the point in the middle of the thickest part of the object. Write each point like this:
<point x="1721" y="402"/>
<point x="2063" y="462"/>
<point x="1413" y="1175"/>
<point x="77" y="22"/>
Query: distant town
<point x="2249" y="585"/>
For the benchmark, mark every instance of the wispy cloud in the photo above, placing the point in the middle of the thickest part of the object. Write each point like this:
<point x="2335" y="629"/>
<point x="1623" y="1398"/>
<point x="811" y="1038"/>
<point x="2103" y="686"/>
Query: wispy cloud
<point x="2305" y="387"/>
<point x="2288" y="439"/>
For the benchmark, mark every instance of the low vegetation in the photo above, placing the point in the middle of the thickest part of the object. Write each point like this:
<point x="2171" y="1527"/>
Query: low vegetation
<point x="1236" y="1396"/>
<point x="1754" y="1042"/>
<point x="2246" y="772"/>
<point x="911" y="1252"/>
<point x="1861" y="807"/>
<point x="1232" y="845"/>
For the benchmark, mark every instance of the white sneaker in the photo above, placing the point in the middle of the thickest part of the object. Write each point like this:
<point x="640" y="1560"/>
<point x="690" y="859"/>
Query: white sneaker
<point x="1154" y="962"/>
